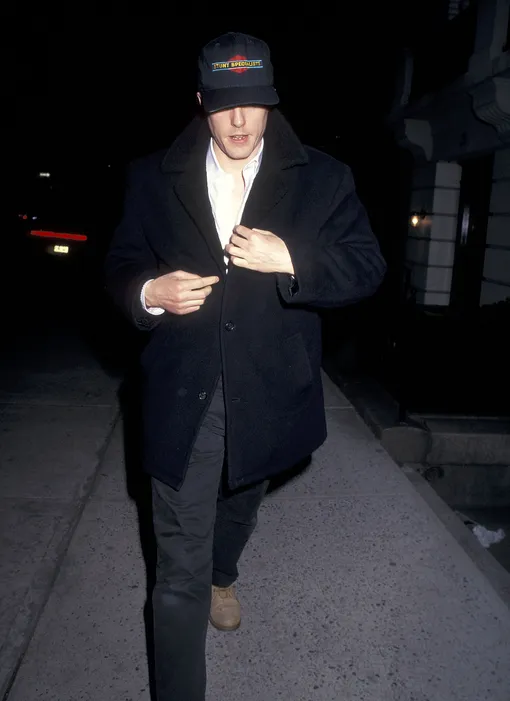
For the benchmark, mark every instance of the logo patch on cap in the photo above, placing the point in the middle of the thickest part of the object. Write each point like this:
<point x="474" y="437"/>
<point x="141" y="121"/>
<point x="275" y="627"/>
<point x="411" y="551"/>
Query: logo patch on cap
<point x="237" y="64"/>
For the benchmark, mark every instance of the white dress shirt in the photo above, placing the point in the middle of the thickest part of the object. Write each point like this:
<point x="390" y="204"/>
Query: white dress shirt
<point x="227" y="204"/>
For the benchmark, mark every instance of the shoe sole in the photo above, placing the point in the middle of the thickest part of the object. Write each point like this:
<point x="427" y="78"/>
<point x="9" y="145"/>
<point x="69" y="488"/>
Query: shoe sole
<point x="224" y="629"/>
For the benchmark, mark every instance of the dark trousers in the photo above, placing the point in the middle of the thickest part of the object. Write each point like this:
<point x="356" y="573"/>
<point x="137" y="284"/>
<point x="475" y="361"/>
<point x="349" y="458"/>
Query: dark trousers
<point x="201" y="531"/>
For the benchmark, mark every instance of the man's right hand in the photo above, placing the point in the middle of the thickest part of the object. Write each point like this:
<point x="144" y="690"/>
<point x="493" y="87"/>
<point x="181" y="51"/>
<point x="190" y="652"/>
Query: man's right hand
<point x="179" y="292"/>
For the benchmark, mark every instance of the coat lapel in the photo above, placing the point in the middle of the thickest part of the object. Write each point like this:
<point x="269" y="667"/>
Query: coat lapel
<point x="282" y="151"/>
<point x="192" y="193"/>
<point x="185" y="162"/>
<point x="268" y="189"/>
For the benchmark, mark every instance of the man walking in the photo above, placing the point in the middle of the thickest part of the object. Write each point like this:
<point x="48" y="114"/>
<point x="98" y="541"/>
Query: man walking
<point x="230" y="243"/>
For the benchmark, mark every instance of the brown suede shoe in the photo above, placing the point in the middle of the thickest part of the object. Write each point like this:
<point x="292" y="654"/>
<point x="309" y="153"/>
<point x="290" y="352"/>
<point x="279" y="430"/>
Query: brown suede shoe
<point x="225" y="609"/>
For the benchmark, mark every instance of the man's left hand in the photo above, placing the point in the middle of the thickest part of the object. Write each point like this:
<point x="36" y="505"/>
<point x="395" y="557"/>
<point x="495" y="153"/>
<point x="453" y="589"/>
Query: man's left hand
<point x="259" y="250"/>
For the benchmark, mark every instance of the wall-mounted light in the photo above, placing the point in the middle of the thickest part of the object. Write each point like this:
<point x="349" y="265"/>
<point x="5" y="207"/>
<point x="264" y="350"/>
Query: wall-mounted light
<point x="417" y="217"/>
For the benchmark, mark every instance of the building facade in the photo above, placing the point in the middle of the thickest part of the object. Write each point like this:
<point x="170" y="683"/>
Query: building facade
<point x="452" y="112"/>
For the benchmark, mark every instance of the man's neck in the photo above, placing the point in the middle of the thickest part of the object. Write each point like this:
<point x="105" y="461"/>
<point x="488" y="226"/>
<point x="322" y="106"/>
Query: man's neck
<point x="231" y="165"/>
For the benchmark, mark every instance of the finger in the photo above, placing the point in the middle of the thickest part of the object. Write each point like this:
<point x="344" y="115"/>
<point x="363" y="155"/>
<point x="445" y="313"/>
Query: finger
<point x="183" y="275"/>
<point x="188" y="297"/>
<point x="189" y="311"/>
<point x="239" y="241"/>
<point x="240" y="262"/>
<point x="235" y="251"/>
<point x="192" y="303"/>
<point x="191" y="298"/>
<point x="174" y="305"/>
<point x="261" y="231"/>
<point x="199" y="283"/>
<point x="242" y="231"/>
<point x="202" y="293"/>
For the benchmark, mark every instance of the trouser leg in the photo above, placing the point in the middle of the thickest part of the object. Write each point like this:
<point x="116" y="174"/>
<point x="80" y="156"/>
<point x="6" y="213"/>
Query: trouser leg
<point x="184" y="528"/>
<point x="236" y="519"/>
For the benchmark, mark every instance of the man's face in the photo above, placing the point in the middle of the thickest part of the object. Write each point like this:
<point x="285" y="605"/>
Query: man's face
<point x="238" y="132"/>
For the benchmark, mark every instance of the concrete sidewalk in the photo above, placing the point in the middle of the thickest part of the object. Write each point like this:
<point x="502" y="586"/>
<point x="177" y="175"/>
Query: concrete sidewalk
<point x="57" y="410"/>
<point x="352" y="589"/>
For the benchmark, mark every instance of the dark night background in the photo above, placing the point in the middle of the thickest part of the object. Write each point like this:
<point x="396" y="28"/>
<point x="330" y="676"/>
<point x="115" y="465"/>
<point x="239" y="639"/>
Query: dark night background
<point x="118" y="86"/>
<point x="86" y="95"/>
<point x="104" y="89"/>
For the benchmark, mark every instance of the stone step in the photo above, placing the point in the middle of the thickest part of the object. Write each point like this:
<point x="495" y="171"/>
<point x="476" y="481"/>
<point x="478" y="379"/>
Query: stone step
<point x="426" y="438"/>
<point x="447" y="442"/>
<point x="469" y="486"/>
<point x="468" y="441"/>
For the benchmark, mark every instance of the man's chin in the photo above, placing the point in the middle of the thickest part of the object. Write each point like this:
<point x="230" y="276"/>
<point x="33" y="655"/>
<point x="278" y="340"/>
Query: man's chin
<point x="239" y="154"/>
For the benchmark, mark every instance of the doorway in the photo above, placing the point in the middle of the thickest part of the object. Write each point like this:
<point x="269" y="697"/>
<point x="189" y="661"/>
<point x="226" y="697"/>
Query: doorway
<point x="474" y="206"/>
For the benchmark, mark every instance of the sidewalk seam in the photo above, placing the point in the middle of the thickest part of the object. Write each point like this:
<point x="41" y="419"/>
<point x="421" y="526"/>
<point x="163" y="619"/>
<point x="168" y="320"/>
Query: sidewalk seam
<point x="63" y="548"/>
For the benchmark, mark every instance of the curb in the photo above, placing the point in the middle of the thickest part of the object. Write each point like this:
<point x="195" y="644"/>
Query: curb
<point x="380" y="413"/>
<point x="494" y="572"/>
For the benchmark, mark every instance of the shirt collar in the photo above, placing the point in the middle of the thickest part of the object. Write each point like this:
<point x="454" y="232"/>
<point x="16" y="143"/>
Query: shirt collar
<point x="213" y="165"/>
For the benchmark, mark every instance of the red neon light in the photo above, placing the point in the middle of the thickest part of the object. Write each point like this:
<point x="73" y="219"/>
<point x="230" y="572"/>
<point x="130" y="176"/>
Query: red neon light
<point x="56" y="235"/>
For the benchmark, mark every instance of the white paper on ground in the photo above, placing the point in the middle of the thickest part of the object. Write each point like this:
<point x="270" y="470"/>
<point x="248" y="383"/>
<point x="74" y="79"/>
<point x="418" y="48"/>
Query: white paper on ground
<point x="486" y="537"/>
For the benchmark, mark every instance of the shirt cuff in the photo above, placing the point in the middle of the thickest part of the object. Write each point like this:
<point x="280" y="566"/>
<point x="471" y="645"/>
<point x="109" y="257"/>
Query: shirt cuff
<point x="151" y="310"/>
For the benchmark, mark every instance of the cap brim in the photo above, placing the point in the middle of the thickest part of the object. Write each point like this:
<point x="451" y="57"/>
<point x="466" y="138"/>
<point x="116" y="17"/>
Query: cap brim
<point x="227" y="98"/>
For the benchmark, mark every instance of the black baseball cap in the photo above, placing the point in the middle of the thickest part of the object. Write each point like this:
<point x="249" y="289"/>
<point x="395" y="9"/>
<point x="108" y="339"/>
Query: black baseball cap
<point x="234" y="70"/>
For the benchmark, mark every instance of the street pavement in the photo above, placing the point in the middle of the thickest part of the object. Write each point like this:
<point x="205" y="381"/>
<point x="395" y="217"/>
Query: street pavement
<point x="351" y="586"/>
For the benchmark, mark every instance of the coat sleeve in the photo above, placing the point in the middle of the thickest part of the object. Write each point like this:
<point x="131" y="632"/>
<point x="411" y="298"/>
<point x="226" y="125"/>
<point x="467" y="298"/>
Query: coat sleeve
<point x="130" y="261"/>
<point x="343" y="265"/>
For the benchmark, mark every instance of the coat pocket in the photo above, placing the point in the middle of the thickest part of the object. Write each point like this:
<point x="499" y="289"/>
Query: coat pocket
<point x="287" y="376"/>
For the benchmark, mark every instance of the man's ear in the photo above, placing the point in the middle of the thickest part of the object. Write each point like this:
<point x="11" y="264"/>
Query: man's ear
<point x="199" y="98"/>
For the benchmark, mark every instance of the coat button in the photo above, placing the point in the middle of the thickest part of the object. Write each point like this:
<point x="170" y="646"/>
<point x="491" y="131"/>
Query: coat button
<point x="202" y="395"/>
<point x="229" y="326"/>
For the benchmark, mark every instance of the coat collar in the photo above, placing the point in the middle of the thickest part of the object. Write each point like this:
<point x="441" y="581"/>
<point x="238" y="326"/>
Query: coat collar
<point x="282" y="147"/>
<point x="185" y="163"/>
